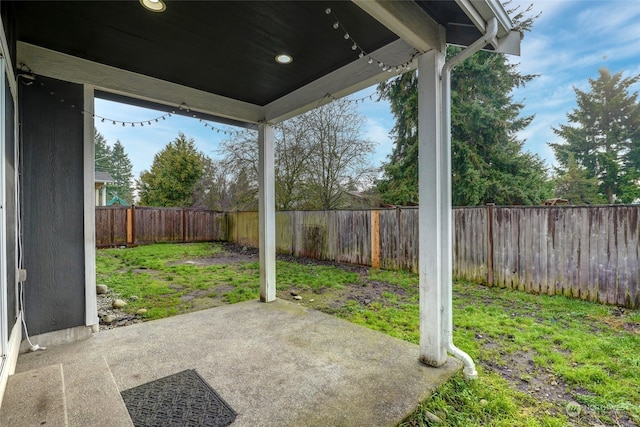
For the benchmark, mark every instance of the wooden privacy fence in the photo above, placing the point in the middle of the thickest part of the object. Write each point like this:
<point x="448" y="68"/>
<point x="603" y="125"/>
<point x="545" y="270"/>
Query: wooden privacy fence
<point x="584" y="252"/>
<point x="116" y="226"/>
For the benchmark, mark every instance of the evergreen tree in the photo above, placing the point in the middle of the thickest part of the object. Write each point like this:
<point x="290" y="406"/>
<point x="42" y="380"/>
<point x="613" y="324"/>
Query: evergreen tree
<point x="174" y="174"/>
<point x="576" y="186"/>
<point x="122" y="173"/>
<point x="102" y="152"/>
<point x="488" y="164"/>
<point x="604" y="136"/>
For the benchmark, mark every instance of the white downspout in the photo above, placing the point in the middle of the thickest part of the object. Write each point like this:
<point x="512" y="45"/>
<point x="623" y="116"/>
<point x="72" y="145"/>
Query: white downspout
<point x="469" y="370"/>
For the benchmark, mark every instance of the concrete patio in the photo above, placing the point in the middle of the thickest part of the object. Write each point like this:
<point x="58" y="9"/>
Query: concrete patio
<point x="276" y="364"/>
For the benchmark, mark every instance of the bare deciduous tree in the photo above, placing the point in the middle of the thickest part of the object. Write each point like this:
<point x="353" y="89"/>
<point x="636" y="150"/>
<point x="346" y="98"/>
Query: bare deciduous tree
<point x="318" y="157"/>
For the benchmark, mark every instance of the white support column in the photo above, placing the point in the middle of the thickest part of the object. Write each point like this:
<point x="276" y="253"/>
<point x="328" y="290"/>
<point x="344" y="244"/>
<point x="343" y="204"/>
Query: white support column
<point x="267" y="213"/>
<point x="432" y="177"/>
<point x="91" y="304"/>
<point x="104" y="195"/>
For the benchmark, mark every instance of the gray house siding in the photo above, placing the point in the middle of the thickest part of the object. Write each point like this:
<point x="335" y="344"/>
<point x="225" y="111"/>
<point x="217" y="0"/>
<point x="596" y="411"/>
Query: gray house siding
<point x="52" y="205"/>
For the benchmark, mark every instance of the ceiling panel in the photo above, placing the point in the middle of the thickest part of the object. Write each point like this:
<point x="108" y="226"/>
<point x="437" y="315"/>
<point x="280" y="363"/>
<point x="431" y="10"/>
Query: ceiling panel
<point x="226" y="48"/>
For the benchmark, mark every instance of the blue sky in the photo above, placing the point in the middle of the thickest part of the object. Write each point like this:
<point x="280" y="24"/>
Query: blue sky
<point x="569" y="43"/>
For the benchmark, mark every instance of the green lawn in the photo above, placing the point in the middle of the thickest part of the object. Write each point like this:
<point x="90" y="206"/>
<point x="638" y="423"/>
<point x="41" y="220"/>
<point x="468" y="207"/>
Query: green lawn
<point x="539" y="358"/>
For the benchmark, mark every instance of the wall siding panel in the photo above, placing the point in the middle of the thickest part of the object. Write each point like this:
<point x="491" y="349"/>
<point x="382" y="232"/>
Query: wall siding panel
<point x="52" y="205"/>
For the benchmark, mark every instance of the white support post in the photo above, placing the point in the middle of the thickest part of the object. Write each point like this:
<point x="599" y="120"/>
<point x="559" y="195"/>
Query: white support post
<point x="267" y="213"/>
<point x="432" y="178"/>
<point x="91" y="304"/>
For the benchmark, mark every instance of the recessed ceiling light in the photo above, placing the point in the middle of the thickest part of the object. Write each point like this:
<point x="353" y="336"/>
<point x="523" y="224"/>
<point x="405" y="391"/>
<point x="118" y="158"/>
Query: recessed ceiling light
<point x="283" y="58"/>
<point x="154" y="5"/>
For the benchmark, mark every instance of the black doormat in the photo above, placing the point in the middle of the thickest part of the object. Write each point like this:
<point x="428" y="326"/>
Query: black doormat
<point x="179" y="400"/>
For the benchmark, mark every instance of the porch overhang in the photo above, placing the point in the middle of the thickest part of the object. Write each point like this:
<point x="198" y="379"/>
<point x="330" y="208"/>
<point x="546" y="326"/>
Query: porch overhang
<point x="218" y="58"/>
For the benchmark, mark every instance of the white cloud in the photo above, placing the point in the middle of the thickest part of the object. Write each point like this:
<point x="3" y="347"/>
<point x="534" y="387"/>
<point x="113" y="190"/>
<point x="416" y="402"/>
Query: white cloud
<point x="376" y="132"/>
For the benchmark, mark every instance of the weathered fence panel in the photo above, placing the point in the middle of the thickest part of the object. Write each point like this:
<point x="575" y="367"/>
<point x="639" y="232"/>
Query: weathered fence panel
<point x="352" y="231"/>
<point x="111" y="226"/>
<point x="592" y="253"/>
<point x="203" y="225"/>
<point x="158" y="225"/>
<point x="242" y="228"/>
<point x="470" y="244"/>
<point x="313" y="235"/>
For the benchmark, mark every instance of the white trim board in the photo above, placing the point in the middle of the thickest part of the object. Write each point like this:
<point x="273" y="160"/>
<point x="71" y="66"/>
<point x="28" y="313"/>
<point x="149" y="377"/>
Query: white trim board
<point x="351" y="78"/>
<point x="61" y="66"/>
<point x="91" y="305"/>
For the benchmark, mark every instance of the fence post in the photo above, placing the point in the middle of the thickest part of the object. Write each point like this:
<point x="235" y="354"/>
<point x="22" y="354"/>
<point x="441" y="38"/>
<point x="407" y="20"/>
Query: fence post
<point x="130" y="226"/>
<point x="184" y="226"/>
<point x="490" y="207"/>
<point x="375" y="239"/>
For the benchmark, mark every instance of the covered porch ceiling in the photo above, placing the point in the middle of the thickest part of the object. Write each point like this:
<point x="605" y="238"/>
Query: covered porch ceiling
<point x="218" y="57"/>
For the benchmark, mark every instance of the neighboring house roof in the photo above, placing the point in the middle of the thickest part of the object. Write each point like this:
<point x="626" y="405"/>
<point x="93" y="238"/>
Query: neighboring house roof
<point x="104" y="178"/>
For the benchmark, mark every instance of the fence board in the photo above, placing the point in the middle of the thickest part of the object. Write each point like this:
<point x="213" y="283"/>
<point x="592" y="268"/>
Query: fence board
<point x="285" y="227"/>
<point x="389" y="239"/>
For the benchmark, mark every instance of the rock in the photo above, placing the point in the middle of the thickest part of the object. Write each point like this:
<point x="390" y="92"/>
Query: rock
<point x="134" y="298"/>
<point x="297" y="297"/>
<point x="294" y="293"/>
<point x="432" y="417"/>
<point x="311" y="300"/>
<point x="108" y="318"/>
<point x="101" y="289"/>
<point x="118" y="303"/>
<point x="141" y="311"/>
<point x="573" y="409"/>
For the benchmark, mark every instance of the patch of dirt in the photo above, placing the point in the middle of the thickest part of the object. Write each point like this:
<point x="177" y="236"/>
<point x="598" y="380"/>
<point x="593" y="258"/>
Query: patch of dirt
<point x="521" y="372"/>
<point x="106" y="310"/>
<point x="372" y="292"/>
<point x="221" y="259"/>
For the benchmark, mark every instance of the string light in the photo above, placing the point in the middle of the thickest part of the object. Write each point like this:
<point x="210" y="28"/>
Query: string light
<point x="338" y="25"/>
<point x="356" y="101"/>
<point x="182" y="107"/>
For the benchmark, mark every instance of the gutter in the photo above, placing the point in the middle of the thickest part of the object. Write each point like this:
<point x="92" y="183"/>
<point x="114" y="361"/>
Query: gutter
<point x="469" y="370"/>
